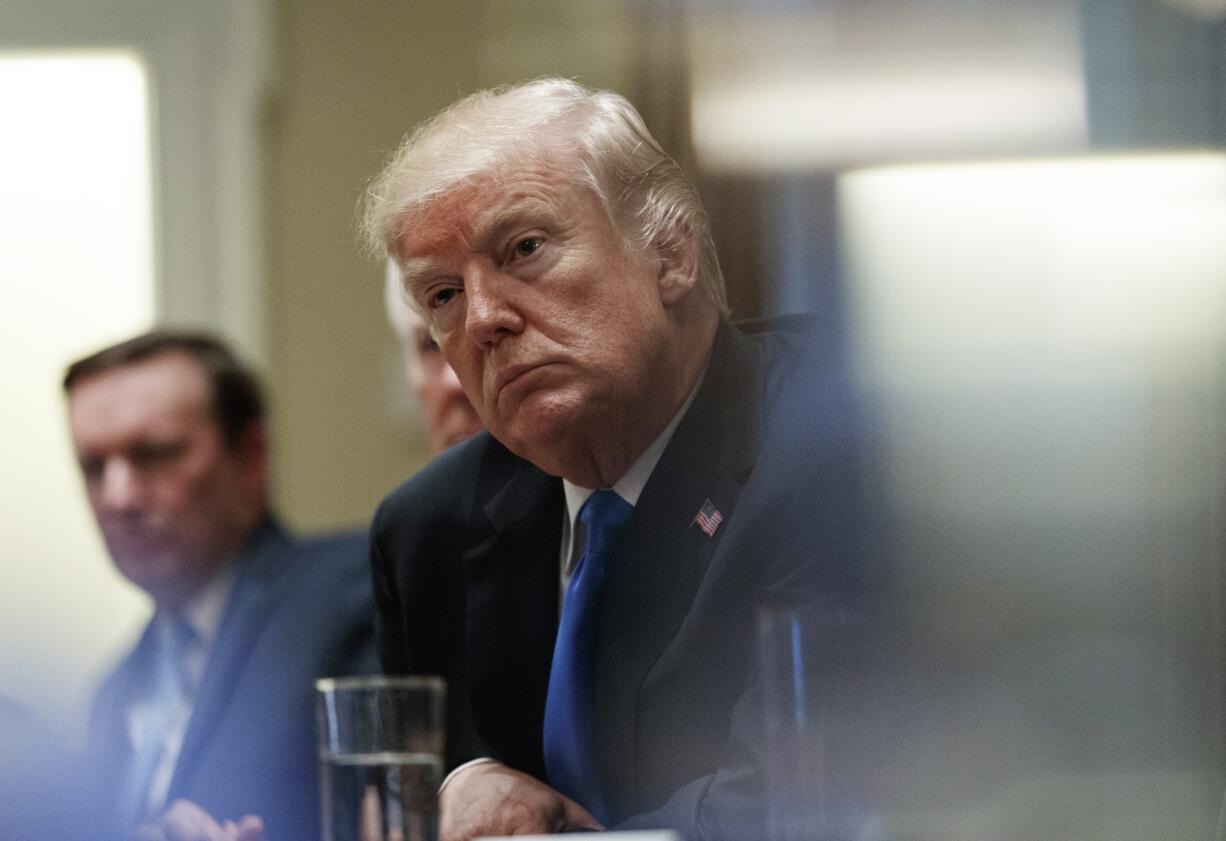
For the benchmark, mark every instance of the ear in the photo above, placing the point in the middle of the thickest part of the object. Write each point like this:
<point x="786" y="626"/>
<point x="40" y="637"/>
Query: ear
<point x="677" y="250"/>
<point x="252" y="451"/>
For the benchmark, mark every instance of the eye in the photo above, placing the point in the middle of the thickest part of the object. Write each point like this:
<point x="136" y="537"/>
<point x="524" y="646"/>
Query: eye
<point x="526" y="247"/>
<point x="151" y="454"/>
<point x="441" y="296"/>
<point x="91" y="468"/>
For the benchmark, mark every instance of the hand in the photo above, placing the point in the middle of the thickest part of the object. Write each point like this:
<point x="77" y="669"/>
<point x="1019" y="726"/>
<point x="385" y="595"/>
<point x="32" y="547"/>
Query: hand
<point x="492" y="799"/>
<point x="185" y="821"/>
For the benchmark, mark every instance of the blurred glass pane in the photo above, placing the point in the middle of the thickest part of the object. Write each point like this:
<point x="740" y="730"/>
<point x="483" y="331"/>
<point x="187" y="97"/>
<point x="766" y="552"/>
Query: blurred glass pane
<point x="1045" y="344"/>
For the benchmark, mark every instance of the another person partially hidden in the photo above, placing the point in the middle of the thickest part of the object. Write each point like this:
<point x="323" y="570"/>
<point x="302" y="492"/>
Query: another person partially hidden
<point x="214" y="708"/>
<point x="447" y="416"/>
<point x="585" y="576"/>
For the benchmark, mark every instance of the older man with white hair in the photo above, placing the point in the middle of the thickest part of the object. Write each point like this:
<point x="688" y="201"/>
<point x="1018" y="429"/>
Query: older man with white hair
<point x="446" y="416"/>
<point x="586" y="575"/>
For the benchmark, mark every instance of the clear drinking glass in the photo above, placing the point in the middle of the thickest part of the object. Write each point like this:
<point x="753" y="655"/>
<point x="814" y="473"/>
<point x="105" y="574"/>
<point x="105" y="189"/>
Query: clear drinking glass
<point x="380" y="757"/>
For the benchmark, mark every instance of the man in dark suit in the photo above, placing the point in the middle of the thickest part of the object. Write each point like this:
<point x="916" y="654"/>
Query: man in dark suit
<point x="674" y="470"/>
<point x="215" y="704"/>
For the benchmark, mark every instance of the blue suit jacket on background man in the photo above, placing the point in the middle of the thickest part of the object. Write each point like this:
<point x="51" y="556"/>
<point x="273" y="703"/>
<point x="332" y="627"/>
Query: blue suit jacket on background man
<point x="466" y="565"/>
<point x="298" y="610"/>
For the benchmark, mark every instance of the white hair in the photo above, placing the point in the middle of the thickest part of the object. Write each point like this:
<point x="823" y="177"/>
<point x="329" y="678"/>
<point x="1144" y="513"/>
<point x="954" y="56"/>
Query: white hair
<point x="644" y="192"/>
<point x="401" y="315"/>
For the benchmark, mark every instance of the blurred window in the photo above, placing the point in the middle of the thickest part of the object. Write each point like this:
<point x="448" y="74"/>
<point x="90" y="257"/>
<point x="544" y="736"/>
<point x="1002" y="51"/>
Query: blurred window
<point x="76" y="264"/>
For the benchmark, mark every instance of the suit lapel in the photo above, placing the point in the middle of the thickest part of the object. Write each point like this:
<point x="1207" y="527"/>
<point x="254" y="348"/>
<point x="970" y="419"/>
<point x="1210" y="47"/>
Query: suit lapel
<point x="665" y="555"/>
<point x="511" y="613"/>
<point x="262" y="562"/>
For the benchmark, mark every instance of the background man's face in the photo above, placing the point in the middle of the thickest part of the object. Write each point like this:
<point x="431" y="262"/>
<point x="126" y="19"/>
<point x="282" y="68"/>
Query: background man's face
<point x="171" y="499"/>
<point x="552" y="325"/>
<point x="449" y="417"/>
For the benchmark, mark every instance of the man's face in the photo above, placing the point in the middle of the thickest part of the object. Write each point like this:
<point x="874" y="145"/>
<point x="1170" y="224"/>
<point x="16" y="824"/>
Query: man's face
<point x="171" y="499"/>
<point x="450" y="417"/>
<point x="553" y="325"/>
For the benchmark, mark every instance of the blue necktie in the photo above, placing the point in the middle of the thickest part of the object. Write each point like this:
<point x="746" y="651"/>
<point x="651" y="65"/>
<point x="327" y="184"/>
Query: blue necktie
<point x="570" y="756"/>
<point x="170" y="686"/>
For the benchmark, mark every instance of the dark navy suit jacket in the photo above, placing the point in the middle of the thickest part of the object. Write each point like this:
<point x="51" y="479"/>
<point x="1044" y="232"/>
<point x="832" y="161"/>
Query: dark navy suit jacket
<point x="466" y="570"/>
<point x="299" y="610"/>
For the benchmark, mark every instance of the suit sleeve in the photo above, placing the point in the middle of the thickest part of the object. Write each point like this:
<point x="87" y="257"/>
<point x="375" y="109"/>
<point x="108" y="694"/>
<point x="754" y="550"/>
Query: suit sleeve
<point x="388" y="621"/>
<point x="727" y="804"/>
<point x="734" y="802"/>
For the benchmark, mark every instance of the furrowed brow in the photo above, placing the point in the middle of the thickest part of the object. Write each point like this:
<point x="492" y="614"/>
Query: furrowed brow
<point x="511" y="215"/>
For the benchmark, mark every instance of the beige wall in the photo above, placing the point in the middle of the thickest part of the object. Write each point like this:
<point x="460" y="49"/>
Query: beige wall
<point x="350" y="80"/>
<point x="350" y="83"/>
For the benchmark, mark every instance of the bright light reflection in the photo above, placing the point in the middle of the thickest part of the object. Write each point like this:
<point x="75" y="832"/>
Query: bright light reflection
<point x="76" y="261"/>
<point x="808" y="122"/>
<point x="1067" y="261"/>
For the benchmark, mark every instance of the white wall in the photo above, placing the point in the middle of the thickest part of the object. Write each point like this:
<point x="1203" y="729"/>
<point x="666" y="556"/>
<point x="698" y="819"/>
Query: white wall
<point x="103" y="234"/>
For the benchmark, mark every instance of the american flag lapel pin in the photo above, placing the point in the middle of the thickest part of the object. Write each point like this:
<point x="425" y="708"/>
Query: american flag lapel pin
<point x="708" y="518"/>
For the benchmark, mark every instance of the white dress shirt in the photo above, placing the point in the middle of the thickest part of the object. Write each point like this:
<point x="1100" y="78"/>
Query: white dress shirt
<point x="203" y="614"/>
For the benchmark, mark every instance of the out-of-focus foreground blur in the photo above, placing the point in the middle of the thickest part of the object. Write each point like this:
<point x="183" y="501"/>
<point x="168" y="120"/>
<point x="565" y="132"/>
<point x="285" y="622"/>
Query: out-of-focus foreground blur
<point x="1010" y="218"/>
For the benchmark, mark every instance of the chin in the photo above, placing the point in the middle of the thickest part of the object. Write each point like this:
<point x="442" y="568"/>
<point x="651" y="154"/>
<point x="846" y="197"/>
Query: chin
<point x="541" y="444"/>
<point x="154" y="575"/>
<point x="543" y="422"/>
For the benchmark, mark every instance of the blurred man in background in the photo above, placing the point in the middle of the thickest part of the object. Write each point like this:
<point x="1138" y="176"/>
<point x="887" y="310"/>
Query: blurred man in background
<point x="447" y="418"/>
<point x="215" y="704"/>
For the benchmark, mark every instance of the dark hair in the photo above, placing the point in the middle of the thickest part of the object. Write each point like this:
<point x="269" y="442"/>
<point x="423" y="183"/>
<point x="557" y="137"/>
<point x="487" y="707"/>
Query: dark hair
<point x="237" y="400"/>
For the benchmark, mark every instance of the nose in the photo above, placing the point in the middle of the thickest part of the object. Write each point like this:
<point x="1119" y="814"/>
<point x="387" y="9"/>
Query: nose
<point x="119" y="489"/>
<point x="492" y="313"/>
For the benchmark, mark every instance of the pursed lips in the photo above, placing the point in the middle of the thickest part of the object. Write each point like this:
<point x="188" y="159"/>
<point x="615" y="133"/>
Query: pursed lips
<point x="133" y="529"/>
<point x="508" y="375"/>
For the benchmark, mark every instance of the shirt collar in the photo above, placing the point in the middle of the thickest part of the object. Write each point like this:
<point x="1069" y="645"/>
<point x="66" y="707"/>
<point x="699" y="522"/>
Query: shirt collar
<point x="203" y="611"/>
<point x="202" y="614"/>
<point x="630" y="486"/>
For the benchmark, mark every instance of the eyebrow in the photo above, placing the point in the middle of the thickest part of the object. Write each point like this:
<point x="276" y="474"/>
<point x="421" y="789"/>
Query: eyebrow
<point x="411" y="270"/>
<point x="509" y="215"/>
<point x="489" y="226"/>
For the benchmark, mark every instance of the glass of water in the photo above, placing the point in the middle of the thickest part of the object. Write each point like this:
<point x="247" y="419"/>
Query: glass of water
<point x="380" y="757"/>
